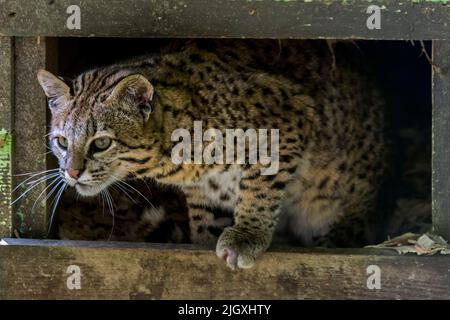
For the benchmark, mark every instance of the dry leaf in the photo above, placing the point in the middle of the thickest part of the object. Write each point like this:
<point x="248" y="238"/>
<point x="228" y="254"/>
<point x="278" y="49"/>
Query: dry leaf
<point x="425" y="244"/>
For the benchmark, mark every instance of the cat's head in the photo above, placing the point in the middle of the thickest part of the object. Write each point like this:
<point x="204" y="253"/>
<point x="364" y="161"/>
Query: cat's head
<point x="98" y="125"/>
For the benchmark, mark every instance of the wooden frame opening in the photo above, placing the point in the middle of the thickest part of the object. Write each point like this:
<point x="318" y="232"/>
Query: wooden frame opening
<point x="122" y="270"/>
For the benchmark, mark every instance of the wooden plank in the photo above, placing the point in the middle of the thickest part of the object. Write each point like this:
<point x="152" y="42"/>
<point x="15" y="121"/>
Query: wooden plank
<point x="441" y="139"/>
<point x="30" y="128"/>
<point x="6" y="126"/>
<point x="343" y="19"/>
<point x="38" y="270"/>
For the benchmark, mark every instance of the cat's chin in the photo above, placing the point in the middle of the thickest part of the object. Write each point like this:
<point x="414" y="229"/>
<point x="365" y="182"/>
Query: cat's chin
<point x="89" y="191"/>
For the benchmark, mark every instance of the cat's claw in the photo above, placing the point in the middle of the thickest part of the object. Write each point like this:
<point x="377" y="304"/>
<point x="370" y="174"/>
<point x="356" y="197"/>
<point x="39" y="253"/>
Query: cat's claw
<point x="234" y="259"/>
<point x="236" y="250"/>
<point x="229" y="255"/>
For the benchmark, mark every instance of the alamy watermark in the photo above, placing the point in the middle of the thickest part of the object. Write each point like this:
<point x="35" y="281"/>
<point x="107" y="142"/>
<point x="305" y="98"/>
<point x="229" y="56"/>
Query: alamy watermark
<point x="74" y="20"/>
<point x="374" y="278"/>
<point x="237" y="147"/>
<point x="74" y="280"/>
<point x="374" y="20"/>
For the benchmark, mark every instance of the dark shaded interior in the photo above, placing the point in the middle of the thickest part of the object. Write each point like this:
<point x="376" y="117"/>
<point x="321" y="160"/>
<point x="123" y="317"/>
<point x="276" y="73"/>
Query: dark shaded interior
<point x="402" y="71"/>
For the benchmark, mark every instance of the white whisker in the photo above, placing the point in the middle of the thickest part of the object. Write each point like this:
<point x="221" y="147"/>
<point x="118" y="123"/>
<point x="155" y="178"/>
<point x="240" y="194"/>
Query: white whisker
<point x="53" y="190"/>
<point x="103" y="202"/>
<point x="43" y="191"/>
<point x="124" y="191"/>
<point x="126" y="184"/>
<point x="28" y="179"/>
<point x="29" y="189"/>
<point x="35" y="173"/>
<point x="55" y="201"/>
<point x="111" y="207"/>
<point x="42" y="178"/>
<point x="45" y="153"/>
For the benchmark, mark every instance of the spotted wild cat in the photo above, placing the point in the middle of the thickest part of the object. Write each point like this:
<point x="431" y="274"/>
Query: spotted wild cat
<point x="115" y="123"/>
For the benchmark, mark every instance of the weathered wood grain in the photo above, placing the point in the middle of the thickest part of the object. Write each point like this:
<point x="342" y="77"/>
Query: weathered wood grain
<point x="343" y="19"/>
<point x="6" y="127"/>
<point x="441" y="138"/>
<point x="150" y="271"/>
<point x="30" y="129"/>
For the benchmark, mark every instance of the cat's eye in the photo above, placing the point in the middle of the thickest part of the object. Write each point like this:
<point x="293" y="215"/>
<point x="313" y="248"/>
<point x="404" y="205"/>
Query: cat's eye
<point x="62" y="142"/>
<point x="101" y="144"/>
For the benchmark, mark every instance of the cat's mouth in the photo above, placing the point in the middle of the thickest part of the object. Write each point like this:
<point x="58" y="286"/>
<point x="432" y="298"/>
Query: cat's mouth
<point x="88" y="187"/>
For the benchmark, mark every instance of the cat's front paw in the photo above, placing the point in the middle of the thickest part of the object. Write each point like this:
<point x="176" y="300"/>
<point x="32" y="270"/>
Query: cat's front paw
<point x="240" y="247"/>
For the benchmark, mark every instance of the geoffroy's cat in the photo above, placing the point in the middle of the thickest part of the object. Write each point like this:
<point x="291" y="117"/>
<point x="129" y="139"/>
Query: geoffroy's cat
<point x="115" y="123"/>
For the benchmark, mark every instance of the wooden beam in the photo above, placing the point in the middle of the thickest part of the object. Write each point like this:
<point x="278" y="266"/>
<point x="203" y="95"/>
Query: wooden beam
<point x="33" y="269"/>
<point x="343" y="19"/>
<point x="30" y="129"/>
<point x="441" y="139"/>
<point x="6" y="128"/>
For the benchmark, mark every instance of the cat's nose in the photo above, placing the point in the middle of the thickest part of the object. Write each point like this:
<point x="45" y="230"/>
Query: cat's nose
<point x="73" y="173"/>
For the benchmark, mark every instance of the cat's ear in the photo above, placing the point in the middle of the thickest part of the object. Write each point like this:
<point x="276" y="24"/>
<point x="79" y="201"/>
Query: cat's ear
<point x="136" y="90"/>
<point x="54" y="88"/>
